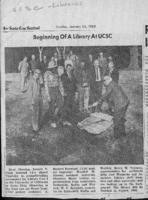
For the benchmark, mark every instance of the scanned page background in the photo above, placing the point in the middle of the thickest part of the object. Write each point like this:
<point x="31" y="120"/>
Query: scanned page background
<point x="125" y="21"/>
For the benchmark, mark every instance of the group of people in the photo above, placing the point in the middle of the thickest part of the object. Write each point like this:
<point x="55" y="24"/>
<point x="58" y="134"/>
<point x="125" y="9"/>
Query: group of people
<point x="64" y="80"/>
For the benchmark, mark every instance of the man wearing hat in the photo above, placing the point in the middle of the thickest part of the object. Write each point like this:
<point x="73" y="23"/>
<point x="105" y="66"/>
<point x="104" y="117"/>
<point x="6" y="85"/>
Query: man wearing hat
<point x="69" y="86"/>
<point x="35" y="95"/>
<point x="119" y="102"/>
<point x="53" y="88"/>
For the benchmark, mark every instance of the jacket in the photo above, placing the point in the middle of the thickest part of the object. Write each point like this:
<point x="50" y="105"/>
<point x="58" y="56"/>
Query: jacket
<point x="115" y="95"/>
<point x="23" y="68"/>
<point x="81" y="77"/>
<point x="69" y="84"/>
<point x="33" y="65"/>
<point x="103" y="66"/>
<point x="43" y="66"/>
<point x="52" y="80"/>
<point x="114" y="74"/>
<point x="35" y="93"/>
<point x="91" y="72"/>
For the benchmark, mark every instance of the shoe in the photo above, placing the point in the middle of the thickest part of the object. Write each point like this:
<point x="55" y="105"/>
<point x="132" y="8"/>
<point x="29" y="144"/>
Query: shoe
<point x="53" y="125"/>
<point x="66" y="123"/>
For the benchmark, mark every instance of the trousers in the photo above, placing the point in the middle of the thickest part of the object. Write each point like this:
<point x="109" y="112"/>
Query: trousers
<point x="23" y="82"/>
<point x="56" y="103"/>
<point x="68" y="107"/>
<point x="83" y="95"/>
<point x="98" y="89"/>
<point x="119" y="122"/>
<point x="36" y="115"/>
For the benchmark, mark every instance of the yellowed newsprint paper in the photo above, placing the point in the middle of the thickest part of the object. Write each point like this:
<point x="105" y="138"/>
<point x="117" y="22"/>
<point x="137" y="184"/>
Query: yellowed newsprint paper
<point x="74" y="98"/>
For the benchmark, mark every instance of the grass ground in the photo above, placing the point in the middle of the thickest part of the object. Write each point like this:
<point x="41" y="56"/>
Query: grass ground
<point x="66" y="145"/>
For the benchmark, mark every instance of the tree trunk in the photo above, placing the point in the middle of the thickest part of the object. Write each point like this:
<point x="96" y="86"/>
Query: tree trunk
<point x="134" y="58"/>
<point x="40" y="52"/>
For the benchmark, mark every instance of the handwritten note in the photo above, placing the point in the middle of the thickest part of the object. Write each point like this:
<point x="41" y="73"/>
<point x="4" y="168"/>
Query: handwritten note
<point x="53" y="5"/>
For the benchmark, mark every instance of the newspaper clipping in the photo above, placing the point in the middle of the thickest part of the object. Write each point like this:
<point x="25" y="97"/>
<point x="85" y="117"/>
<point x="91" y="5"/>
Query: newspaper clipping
<point x="74" y="98"/>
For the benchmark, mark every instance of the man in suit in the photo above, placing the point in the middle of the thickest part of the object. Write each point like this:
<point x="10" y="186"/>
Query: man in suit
<point x="53" y="84"/>
<point x="69" y="86"/>
<point x="97" y="86"/>
<point x="35" y="97"/>
<point x="113" y="72"/>
<point x="83" y="86"/>
<point x="92" y="78"/>
<point x="102" y="64"/>
<point x="119" y="102"/>
<point x="44" y="64"/>
<point x="72" y="57"/>
<point x="33" y="64"/>
<point x="23" y="69"/>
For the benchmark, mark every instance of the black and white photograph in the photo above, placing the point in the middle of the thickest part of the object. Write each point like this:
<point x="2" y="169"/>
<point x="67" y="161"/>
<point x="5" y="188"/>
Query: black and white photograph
<point x="74" y="105"/>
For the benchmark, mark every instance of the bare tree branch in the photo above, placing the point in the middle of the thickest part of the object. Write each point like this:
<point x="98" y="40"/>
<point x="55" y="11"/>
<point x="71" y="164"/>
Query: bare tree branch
<point x="40" y="53"/>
